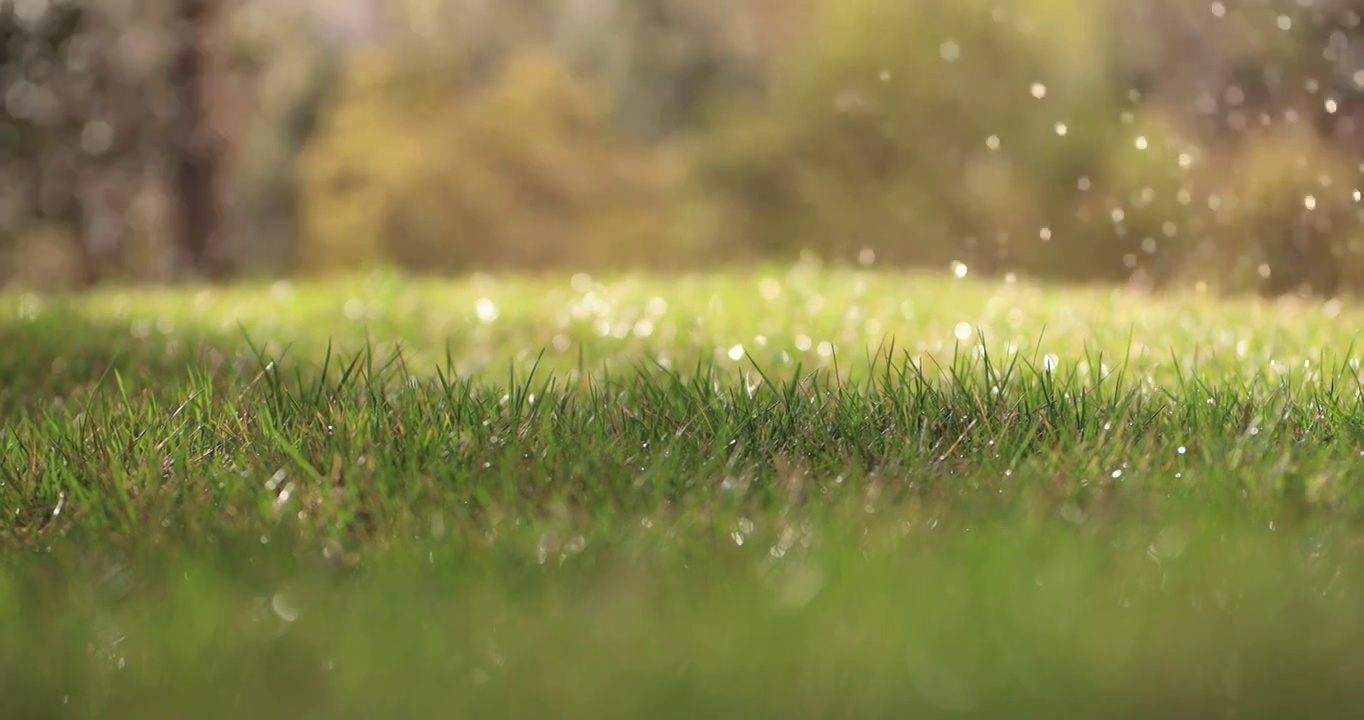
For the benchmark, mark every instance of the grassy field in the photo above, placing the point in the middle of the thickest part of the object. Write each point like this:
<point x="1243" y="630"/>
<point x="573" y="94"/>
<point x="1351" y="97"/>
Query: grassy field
<point x="783" y="493"/>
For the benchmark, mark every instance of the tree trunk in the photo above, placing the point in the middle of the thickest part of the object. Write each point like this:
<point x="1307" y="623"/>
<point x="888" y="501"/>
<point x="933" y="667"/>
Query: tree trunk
<point x="197" y="159"/>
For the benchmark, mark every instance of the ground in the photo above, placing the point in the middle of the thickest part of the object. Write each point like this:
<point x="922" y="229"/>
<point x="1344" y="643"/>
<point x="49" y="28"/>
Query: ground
<point x="793" y="492"/>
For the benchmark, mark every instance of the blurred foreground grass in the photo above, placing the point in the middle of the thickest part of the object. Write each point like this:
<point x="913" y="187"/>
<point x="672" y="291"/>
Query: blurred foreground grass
<point x="791" y="492"/>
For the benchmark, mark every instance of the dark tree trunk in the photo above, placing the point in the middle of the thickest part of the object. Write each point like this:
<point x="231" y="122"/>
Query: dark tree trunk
<point x="196" y="164"/>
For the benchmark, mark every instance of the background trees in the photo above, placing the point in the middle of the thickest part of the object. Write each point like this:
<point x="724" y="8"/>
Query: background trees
<point x="1146" y="141"/>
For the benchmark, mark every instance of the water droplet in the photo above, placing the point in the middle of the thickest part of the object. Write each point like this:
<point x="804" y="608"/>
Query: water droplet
<point x="1171" y="543"/>
<point x="800" y="586"/>
<point x="962" y="331"/>
<point x="1038" y="90"/>
<point x="486" y="310"/>
<point x="736" y="353"/>
<point x="284" y="608"/>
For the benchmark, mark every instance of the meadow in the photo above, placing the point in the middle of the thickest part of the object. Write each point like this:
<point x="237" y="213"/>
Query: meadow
<point x="782" y="492"/>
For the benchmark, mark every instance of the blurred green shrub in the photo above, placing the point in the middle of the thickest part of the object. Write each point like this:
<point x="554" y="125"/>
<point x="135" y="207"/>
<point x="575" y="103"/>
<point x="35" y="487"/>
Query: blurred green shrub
<point x="979" y="132"/>
<point x="528" y="172"/>
<point x="1134" y="215"/>
<point x="998" y="135"/>
<point x="1287" y="218"/>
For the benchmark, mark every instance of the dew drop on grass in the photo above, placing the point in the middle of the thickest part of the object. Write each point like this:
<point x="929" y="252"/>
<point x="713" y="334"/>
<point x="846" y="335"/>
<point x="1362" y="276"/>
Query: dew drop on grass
<point x="284" y="607"/>
<point x="1181" y="450"/>
<point x="800" y="586"/>
<point x="736" y="353"/>
<point x="275" y="480"/>
<point x="962" y="331"/>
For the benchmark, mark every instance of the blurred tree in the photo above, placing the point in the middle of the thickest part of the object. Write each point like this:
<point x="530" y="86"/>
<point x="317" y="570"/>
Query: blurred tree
<point x="197" y="150"/>
<point x="37" y="192"/>
<point x="104" y="105"/>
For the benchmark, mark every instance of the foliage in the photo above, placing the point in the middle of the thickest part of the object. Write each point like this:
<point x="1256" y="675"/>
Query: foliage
<point x="956" y="145"/>
<point x="529" y="172"/>
<point x="1051" y="138"/>
<point x="1288" y="219"/>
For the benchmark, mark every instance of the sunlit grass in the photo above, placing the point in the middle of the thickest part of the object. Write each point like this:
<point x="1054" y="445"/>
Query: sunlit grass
<point x="778" y="493"/>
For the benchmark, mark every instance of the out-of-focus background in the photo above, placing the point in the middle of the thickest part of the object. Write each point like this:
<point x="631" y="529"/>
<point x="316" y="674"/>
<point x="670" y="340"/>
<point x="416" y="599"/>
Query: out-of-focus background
<point x="1152" y="142"/>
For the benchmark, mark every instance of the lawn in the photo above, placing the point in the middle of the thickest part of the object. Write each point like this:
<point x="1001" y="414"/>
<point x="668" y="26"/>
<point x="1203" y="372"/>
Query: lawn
<point x="792" y="492"/>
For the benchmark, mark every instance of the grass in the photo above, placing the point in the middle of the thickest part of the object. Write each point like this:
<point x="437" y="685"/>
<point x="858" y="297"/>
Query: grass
<point x="796" y="493"/>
